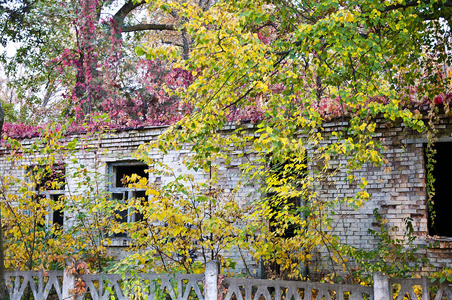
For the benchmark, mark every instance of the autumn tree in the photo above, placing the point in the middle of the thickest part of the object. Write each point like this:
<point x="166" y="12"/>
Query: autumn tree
<point x="288" y="67"/>
<point x="78" y="58"/>
<point x="46" y="221"/>
<point x="182" y="225"/>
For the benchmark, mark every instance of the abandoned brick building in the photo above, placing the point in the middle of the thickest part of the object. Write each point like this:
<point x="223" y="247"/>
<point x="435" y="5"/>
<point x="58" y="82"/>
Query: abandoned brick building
<point x="398" y="193"/>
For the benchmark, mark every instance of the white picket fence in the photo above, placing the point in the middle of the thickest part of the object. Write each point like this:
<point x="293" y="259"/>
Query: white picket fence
<point x="53" y="285"/>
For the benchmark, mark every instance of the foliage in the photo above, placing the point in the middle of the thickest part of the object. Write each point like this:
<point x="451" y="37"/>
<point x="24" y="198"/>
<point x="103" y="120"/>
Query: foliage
<point x="34" y="187"/>
<point x="444" y="275"/>
<point x="289" y="68"/>
<point x="286" y="68"/>
<point x="37" y="32"/>
<point x="92" y="211"/>
<point x="430" y="152"/>
<point x="24" y="212"/>
<point x="184" y="223"/>
<point x="78" y="60"/>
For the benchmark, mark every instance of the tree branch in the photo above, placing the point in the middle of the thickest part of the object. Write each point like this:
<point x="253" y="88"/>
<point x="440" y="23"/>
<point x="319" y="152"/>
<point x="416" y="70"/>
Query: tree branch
<point x="140" y="27"/>
<point x="125" y="10"/>
<point x="254" y="85"/>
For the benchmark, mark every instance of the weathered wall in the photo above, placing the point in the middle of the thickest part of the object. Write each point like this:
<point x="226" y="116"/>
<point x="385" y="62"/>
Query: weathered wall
<point x="98" y="151"/>
<point x="398" y="189"/>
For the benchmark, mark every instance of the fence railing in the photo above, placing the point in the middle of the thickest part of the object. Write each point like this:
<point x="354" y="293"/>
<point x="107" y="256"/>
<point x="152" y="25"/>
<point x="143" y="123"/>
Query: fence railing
<point x="38" y="284"/>
<point x="211" y="285"/>
<point x="168" y="287"/>
<point x="419" y="288"/>
<point x="249" y="289"/>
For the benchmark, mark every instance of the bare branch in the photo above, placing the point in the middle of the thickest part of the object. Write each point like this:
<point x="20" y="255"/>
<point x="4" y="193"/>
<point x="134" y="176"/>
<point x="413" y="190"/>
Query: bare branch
<point x="125" y="10"/>
<point x="141" y="27"/>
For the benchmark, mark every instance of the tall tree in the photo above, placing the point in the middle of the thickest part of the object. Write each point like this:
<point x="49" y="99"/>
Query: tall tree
<point x="290" y="66"/>
<point x="77" y="53"/>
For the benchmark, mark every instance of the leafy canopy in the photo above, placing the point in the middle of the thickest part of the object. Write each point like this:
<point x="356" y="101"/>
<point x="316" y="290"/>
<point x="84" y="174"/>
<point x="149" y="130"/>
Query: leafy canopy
<point x="289" y="67"/>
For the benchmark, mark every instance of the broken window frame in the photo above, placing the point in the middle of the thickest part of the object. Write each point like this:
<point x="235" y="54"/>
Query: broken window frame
<point x="128" y="216"/>
<point x="50" y="216"/>
<point x="49" y="193"/>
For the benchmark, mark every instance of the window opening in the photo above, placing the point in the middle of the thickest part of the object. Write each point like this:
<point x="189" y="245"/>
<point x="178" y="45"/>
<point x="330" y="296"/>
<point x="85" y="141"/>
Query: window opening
<point x="50" y="185"/>
<point x="288" y="172"/>
<point x="442" y="200"/>
<point x="121" y="192"/>
<point x="282" y="173"/>
<point x="141" y="195"/>
<point x="56" y="217"/>
<point x="121" y="171"/>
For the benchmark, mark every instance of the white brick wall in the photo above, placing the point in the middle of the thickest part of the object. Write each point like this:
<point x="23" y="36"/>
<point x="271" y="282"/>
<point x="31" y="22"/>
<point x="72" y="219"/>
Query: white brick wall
<point x="398" y="194"/>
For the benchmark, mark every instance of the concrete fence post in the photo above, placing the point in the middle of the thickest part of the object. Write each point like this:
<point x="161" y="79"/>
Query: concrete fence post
<point x="211" y="283"/>
<point x="381" y="287"/>
<point x="68" y="285"/>
<point x="425" y="291"/>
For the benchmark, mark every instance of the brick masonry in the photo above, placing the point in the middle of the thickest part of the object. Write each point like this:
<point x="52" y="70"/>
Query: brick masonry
<point x="397" y="194"/>
<point x="398" y="191"/>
